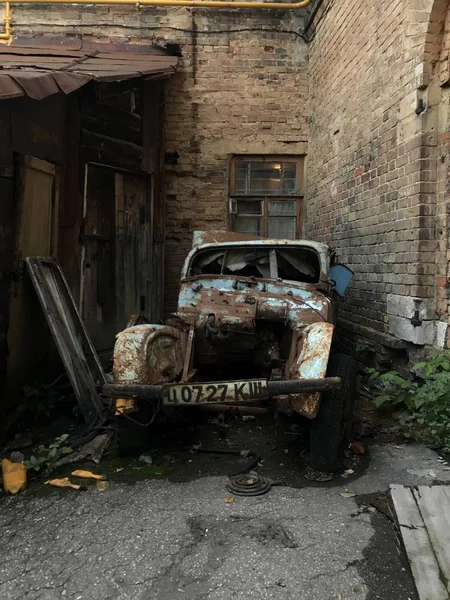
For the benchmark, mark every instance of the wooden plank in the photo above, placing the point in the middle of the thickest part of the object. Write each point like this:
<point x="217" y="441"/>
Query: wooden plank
<point x="28" y="334"/>
<point x="100" y="61"/>
<point x="108" y="151"/>
<point x="69" y="334"/>
<point x="40" y="62"/>
<point x="104" y="112"/>
<point x="135" y="241"/>
<point x="89" y="266"/>
<point x="152" y="130"/>
<point x="434" y="507"/>
<point x="105" y="243"/>
<point x="420" y="553"/>
<point x="111" y="129"/>
<point x="153" y="114"/>
<point x="120" y="243"/>
<point x="447" y="491"/>
<point x="6" y="149"/>
<point x="37" y="128"/>
<point x="6" y="267"/>
<point x="145" y="249"/>
<point x="99" y="263"/>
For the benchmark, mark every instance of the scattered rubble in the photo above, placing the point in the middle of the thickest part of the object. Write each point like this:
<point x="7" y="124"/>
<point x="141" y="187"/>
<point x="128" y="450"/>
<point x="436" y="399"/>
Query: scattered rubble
<point x="318" y="476"/>
<point x="102" y="485"/>
<point x="92" y="450"/>
<point x="347" y="494"/>
<point x="357" y="448"/>
<point x="347" y="473"/>
<point x="146" y="458"/>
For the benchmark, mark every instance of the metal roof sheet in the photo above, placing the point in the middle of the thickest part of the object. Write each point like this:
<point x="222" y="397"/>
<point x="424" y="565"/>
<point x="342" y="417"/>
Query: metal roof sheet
<point x="41" y="71"/>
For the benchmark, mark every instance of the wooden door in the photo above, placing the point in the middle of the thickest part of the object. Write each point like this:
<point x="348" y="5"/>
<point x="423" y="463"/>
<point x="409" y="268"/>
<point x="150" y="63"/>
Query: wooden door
<point x="116" y="252"/>
<point x="98" y="281"/>
<point x="36" y="232"/>
<point x="133" y="254"/>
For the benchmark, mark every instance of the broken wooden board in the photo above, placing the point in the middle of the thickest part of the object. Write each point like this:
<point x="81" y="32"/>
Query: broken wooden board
<point x="70" y="335"/>
<point x="423" y="515"/>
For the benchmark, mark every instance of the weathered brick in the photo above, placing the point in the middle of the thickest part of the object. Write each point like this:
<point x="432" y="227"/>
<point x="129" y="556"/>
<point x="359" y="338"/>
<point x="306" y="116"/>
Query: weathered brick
<point x="368" y="71"/>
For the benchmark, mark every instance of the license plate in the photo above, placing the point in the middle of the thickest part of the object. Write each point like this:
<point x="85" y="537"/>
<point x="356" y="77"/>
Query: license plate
<point x="215" y="393"/>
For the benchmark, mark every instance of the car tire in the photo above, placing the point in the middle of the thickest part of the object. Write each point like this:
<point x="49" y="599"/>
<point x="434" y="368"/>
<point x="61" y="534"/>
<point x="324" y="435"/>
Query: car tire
<point x="133" y="439"/>
<point x="330" y="430"/>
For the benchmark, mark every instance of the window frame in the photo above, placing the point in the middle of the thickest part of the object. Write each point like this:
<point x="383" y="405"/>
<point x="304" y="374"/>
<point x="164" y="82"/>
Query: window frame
<point x="234" y="196"/>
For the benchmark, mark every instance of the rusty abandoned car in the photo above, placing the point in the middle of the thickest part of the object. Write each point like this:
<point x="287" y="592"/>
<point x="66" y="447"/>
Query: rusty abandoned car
<point x="254" y="324"/>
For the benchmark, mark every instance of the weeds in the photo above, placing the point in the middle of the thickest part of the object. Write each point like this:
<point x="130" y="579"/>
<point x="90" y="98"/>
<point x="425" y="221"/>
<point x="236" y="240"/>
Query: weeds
<point x="47" y="457"/>
<point x="424" y="402"/>
<point x="364" y="346"/>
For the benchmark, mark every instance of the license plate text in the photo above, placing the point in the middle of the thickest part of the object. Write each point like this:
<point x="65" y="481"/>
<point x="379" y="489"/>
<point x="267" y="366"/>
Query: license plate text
<point x="215" y="393"/>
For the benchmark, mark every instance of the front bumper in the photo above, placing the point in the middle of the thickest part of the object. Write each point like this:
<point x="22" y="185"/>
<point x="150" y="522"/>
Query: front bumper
<point x="217" y="392"/>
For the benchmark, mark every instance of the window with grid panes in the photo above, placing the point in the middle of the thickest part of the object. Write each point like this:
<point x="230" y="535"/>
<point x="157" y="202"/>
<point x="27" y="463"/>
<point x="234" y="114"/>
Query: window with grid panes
<point x="265" y="195"/>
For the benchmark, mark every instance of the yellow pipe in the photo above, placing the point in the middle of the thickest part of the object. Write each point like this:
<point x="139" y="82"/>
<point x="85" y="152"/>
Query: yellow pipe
<point x="191" y="3"/>
<point x="6" y="36"/>
<point x="7" y="33"/>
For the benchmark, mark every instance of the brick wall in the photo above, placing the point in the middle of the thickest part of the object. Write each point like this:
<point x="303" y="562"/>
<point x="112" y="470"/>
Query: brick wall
<point x="378" y="138"/>
<point x="237" y="92"/>
<point x="372" y="160"/>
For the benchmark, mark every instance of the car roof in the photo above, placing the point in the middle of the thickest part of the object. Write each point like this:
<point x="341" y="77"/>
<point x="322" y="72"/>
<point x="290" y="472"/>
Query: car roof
<point x="318" y="246"/>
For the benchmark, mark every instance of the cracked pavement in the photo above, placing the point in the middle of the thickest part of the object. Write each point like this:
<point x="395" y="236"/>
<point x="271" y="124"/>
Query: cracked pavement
<point x="166" y="541"/>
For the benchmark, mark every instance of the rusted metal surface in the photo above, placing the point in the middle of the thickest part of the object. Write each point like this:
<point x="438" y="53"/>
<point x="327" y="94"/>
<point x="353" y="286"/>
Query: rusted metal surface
<point x="237" y="303"/>
<point x="306" y="405"/>
<point x="42" y="71"/>
<point x="148" y="354"/>
<point x="239" y="299"/>
<point x="188" y="354"/>
<point x="312" y="361"/>
<point x="38" y="84"/>
<point x="67" y="44"/>
<point x="271" y="389"/>
<point x="261" y="321"/>
<point x="218" y="237"/>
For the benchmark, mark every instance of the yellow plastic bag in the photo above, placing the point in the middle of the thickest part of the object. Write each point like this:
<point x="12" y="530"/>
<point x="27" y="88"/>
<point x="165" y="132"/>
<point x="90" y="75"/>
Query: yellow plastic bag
<point x="14" y="476"/>
<point x="87" y="475"/>
<point x="63" y="483"/>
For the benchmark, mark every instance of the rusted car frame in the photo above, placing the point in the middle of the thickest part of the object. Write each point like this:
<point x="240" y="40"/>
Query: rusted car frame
<point x="255" y="321"/>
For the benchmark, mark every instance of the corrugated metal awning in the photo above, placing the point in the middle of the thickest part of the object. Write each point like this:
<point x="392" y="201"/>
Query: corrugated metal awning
<point x="40" y="71"/>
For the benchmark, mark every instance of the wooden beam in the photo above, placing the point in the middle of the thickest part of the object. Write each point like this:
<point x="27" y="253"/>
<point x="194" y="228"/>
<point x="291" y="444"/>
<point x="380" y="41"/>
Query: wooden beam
<point x="422" y="559"/>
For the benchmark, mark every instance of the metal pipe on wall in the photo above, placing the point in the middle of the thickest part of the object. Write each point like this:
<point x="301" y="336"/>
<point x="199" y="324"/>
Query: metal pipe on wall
<point x="6" y="36"/>
<point x="188" y="3"/>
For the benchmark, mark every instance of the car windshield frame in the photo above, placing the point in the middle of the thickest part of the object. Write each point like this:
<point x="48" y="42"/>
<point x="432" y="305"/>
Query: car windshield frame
<point x="269" y="258"/>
